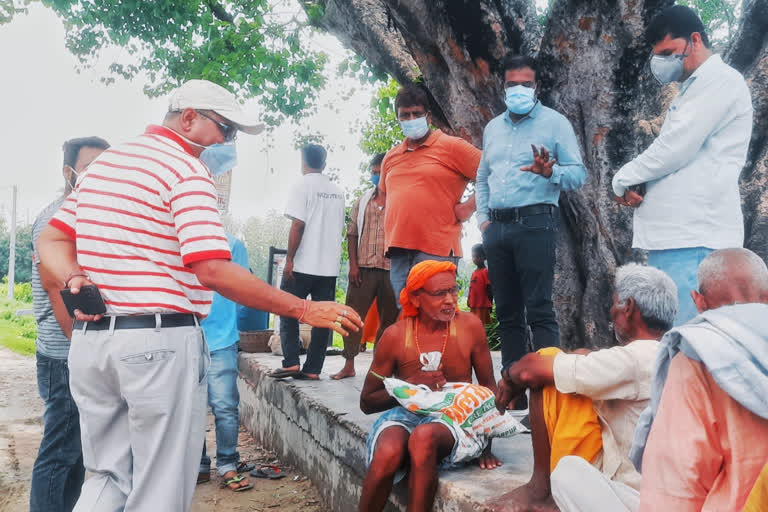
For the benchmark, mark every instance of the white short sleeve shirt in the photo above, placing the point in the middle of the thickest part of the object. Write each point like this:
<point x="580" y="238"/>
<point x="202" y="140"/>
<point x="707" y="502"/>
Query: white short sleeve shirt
<point x="320" y="205"/>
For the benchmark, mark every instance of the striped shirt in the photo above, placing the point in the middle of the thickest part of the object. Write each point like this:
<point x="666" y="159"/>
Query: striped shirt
<point x="51" y="341"/>
<point x="140" y="215"/>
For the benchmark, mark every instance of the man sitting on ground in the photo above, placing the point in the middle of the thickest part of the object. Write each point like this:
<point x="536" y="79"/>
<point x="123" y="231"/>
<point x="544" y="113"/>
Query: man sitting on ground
<point x="707" y="439"/>
<point x="401" y="439"/>
<point x="584" y="406"/>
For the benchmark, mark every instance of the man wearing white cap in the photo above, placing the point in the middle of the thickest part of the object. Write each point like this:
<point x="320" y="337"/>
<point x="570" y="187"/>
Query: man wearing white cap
<point x="142" y="225"/>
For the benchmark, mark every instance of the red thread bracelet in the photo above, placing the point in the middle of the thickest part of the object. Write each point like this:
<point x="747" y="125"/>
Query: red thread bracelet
<point x="303" y="311"/>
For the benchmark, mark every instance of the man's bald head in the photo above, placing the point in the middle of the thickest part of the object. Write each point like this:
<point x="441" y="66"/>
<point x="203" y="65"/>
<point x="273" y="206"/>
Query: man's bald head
<point x="731" y="276"/>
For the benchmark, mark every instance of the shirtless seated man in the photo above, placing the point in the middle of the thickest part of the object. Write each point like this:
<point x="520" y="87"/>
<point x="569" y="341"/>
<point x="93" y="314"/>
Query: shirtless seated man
<point x="402" y="440"/>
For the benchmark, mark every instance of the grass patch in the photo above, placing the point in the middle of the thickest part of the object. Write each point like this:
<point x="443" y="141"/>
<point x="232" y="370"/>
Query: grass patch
<point x="17" y="333"/>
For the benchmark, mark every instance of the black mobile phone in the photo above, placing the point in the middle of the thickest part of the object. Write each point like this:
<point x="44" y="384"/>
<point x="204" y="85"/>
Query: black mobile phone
<point x="638" y="189"/>
<point x="88" y="301"/>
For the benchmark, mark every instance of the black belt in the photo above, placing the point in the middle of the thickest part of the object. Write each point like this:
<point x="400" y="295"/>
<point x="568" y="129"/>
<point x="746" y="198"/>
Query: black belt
<point x="514" y="214"/>
<point x="140" y="322"/>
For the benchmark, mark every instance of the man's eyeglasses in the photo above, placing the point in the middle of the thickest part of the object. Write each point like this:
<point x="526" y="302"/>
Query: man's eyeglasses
<point x="228" y="131"/>
<point x="443" y="293"/>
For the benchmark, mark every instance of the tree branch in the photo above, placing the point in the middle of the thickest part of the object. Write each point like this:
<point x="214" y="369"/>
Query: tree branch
<point x="219" y="12"/>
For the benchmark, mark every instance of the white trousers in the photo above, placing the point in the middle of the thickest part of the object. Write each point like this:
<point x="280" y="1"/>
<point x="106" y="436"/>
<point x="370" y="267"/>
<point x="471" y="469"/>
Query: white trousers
<point x="141" y="394"/>
<point x="578" y="486"/>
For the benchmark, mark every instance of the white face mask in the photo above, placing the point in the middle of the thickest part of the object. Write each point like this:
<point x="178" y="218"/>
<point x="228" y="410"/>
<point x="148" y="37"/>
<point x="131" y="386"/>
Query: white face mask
<point x="668" y="68"/>
<point x="73" y="177"/>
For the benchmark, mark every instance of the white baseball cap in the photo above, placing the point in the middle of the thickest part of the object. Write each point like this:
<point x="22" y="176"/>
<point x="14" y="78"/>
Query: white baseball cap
<point x="205" y="95"/>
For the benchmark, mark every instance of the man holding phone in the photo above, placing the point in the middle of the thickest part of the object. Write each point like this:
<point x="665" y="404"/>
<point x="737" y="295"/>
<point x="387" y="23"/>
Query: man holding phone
<point x="685" y="186"/>
<point x="143" y="226"/>
<point x="58" y="472"/>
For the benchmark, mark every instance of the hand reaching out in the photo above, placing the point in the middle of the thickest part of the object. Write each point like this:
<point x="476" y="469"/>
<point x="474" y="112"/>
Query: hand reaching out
<point x="542" y="165"/>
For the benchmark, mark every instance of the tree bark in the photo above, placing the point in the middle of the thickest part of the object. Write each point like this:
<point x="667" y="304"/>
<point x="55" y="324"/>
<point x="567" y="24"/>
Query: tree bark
<point x="593" y="69"/>
<point x="749" y="54"/>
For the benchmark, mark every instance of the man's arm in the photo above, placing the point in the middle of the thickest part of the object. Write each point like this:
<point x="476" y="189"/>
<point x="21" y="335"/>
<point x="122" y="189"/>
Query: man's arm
<point x="683" y="133"/>
<point x="239" y="285"/>
<point x="482" y="191"/>
<point x="352" y="238"/>
<point x="683" y="456"/>
<point x="294" y="240"/>
<point x="607" y="374"/>
<point x="374" y="397"/>
<point x="53" y="288"/>
<point x="532" y="371"/>
<point x="569" y="171"/>
<point x="464" y="211"/>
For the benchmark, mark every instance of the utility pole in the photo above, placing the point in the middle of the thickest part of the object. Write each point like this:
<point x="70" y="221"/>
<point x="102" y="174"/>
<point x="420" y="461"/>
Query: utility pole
<point x="12" y="252"/>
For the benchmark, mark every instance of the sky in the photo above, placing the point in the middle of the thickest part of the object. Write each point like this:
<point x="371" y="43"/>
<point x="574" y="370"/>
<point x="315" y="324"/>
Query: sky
<point x="44" y="101"/>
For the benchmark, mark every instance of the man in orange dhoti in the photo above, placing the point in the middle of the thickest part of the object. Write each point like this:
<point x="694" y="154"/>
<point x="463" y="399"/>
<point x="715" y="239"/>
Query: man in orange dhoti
<point x="584" y="406"/>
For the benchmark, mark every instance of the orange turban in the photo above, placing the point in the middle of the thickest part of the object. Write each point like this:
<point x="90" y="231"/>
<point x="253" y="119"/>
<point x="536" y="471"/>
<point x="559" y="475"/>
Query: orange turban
<point x="418" y="276"/>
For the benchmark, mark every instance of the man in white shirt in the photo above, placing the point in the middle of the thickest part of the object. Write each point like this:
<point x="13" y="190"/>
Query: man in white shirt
<point x="584" y="405"/>
<point x="690" y="173"/>
<point x="316" y="209"/>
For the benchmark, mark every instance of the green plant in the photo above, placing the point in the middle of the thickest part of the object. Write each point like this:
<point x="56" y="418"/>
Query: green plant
<point x="492" y="332"/>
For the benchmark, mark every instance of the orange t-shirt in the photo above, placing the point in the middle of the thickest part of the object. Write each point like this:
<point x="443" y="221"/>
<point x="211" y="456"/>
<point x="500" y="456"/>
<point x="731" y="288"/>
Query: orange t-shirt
<point x="422" y="186"/>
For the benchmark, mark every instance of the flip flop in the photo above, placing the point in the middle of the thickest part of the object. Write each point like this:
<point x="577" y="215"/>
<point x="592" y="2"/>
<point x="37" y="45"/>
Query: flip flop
<point x="271" y="472"/>
<point x="245" y="467"/>
<point x="236" y="480"/>
<point x="304" y="376"/>
<point x="282" y="373"/>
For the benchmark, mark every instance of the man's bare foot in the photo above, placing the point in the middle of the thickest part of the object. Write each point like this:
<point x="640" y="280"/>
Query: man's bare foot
<point x="531" y="497"/>
<point x="347" y="371"/>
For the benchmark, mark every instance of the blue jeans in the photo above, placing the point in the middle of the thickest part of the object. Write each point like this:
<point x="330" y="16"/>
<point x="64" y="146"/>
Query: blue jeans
<point x="682" y="266"/>
<point x="58" y="473"/>
<point x="224" y="400"/>
<point x="401" y="261"/>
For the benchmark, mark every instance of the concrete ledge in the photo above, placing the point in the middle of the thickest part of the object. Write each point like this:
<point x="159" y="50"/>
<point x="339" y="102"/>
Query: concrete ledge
<point x="318" y="428"/>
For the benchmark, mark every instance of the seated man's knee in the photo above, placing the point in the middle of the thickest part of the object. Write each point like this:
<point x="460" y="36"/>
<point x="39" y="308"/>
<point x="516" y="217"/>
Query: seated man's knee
<point x="568" y="472"/>
<point x="423" y="443"/>
<point x="388" y="457"/>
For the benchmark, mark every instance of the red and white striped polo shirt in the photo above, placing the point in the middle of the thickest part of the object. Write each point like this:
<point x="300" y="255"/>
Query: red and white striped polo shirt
<point x="140" y="214"/>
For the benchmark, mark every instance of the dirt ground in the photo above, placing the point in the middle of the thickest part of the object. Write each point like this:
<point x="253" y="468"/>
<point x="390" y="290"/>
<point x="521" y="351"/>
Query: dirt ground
<point x="21" y="429"/>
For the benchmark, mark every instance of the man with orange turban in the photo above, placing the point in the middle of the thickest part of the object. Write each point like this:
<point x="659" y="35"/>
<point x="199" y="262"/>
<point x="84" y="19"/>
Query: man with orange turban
<point x="432" y="343"/>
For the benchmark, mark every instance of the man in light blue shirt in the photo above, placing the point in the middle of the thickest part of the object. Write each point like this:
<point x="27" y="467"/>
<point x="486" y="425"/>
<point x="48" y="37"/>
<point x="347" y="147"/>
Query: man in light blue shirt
<point x="690" y="173"/>
<point x="220" y="328"/>
<point x="530" y="154"/>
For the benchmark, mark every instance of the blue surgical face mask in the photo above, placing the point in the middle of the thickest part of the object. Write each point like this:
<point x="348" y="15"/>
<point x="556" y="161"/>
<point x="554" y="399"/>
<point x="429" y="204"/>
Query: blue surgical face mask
<point x="668" y="68"/>
<point x="375" y="179"/>
<point x="415" y="129"/>
<point x="520" y="99"/>
<point x="219" y="158"/>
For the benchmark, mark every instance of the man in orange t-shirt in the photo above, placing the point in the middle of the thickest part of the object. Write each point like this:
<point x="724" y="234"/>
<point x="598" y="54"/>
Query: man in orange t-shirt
<point x="423" y="179"/>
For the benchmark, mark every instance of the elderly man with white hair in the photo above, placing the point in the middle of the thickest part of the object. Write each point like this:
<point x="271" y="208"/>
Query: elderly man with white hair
<point x="708" y="415"/>
<point x="584" y="405"/>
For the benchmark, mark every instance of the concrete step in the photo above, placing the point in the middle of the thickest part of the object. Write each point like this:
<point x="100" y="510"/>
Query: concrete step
<point x="318" y="428"/>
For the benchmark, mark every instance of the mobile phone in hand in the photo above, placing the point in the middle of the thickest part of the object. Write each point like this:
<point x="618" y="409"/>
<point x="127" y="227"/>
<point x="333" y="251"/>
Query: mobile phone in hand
<point x="88" y="301"/>
<point x="638" y="189"/>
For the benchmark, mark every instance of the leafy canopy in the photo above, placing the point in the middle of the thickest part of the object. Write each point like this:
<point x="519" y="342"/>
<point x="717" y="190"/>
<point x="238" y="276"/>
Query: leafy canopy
<point x="247" y="46"/>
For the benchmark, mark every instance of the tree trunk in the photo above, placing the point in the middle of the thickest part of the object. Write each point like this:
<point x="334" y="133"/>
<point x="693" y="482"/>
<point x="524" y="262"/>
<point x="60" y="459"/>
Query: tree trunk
<point x="593" y="69"/>
<point x="749" y="54"/>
